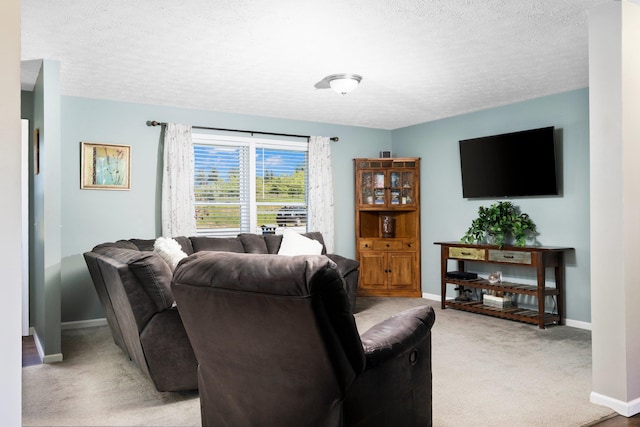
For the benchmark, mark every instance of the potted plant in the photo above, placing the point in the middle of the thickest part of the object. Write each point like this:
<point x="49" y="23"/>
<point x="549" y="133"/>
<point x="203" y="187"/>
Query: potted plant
<point x="497" y="222"/>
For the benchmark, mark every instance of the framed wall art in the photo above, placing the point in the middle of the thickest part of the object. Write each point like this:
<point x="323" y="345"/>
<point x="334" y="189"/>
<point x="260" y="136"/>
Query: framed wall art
<point x="105" y="166"/>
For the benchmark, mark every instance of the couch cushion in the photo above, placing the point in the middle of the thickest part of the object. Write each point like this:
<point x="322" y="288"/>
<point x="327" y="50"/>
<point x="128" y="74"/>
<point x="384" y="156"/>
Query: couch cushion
<point x="273" y="242"/>
<point x="220" y="244"/>
<point x="123" y="244"/>
<point x="143" y="244"/>
<point x="294" y="243"/>
<point x="185" y="244"/>
<point x="115" y="265"/>
<point x="253" y="243"/>
<point x="121" y="253"/>
<point x="151" y="271"/>
<point x="345" y="265"/>
<point x="155" y="276"/>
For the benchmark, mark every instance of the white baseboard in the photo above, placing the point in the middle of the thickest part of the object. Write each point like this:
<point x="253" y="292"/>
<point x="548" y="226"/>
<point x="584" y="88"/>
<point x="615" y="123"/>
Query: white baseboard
<point x="36" y="340"/>
<point x="57" y="357"/>
<point x="627" y="409"/>
<point x="53" y="358"/>
<point x="49" y="358"/>
<point x="84" y="323"/>
<point x="432" y="297"/>
<point x="578" y="324"/>
<point x="568" y="322"/>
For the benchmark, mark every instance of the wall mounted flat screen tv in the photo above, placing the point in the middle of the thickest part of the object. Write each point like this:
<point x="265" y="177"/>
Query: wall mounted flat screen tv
<point x="510" y="165"/>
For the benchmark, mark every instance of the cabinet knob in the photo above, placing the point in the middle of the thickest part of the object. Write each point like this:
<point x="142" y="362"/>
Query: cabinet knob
<point x="409" y="244"/>
<point x="366" y="245"/>
<point x="387" y="245"/>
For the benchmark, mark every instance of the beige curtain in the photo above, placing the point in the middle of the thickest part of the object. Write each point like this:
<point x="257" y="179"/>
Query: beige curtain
<point x="178" y="203"/>
<point x="320" y="211"/>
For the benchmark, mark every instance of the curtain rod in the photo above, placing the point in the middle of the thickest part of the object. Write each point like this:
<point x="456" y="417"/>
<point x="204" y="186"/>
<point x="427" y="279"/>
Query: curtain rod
<point x="155" y="123"/>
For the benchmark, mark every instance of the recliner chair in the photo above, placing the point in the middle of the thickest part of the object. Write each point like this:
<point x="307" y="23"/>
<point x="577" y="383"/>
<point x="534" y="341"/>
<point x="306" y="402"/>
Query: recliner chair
<point x="277" y="345"/>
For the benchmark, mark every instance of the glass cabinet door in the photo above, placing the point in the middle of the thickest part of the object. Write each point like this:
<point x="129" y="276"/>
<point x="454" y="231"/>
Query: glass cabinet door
<point x="378" y="188"/>
<point x="366" y="192"/>
<point x="407" y="197"/>
<point x="386" y="188"/>
<point x="395" y="189"/>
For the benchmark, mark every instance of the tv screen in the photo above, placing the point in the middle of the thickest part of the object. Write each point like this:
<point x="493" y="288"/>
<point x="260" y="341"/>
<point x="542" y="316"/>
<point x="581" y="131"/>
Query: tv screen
<point x="509" y="165"/>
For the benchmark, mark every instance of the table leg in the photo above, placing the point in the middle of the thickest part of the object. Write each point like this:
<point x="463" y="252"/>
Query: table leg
<point x="541" y="270"/>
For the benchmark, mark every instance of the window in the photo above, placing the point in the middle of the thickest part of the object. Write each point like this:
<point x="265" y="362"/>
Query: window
<point x="246" y="185"/>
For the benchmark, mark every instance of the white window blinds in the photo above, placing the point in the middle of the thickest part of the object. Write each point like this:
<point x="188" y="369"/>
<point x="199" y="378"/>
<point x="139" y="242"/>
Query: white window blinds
<point x="248" y="185"/>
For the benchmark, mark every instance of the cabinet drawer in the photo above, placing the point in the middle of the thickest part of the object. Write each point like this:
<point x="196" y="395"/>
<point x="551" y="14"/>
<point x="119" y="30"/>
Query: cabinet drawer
<point x="387" y="245"/>
<point x="515" y="257"/>
<point x="466" y="253"/>
<point x="365" y="244"/>
<point x="409" y="245"/>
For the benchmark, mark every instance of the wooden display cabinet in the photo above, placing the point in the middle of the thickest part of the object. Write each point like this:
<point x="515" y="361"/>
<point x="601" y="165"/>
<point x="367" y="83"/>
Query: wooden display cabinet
<point x="388" y="226"/>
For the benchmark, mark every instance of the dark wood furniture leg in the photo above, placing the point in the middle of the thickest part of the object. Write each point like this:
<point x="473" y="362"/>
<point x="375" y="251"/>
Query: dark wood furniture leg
<point x="443" y="272"/>
<point x="559" y="273"/>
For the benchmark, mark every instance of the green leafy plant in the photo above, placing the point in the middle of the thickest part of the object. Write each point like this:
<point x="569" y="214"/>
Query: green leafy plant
<point x="497" y="222"/>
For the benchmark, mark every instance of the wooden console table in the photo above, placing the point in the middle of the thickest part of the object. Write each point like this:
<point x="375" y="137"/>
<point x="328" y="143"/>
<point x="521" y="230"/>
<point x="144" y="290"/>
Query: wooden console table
<point x="538" y="257"/>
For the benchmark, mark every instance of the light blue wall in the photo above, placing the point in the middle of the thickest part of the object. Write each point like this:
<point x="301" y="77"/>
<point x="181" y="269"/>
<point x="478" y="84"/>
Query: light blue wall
<point x="561" y="221"/>
<point x="45" y="207"/>
<point x="90" y="217"/>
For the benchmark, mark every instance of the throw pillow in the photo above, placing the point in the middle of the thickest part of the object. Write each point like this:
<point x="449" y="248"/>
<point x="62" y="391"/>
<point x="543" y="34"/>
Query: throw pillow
<point x="169" y="250"/>
<point x="253" y="243"/>
<point x="294" y="243"/>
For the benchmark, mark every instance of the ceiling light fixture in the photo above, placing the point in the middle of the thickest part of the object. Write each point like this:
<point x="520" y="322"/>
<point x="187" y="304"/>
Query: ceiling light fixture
<point x="343" y="83"/>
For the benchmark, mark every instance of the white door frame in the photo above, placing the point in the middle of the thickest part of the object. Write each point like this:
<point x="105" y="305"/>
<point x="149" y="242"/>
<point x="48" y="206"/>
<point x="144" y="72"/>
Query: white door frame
<point x="24" y="208"/>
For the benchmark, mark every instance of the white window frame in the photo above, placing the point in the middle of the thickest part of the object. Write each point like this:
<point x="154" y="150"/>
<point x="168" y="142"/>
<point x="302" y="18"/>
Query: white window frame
<point x="252" y="144"/>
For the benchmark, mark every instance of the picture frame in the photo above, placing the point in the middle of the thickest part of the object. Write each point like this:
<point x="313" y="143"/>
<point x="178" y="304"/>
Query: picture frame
<point x="105" y="166"/>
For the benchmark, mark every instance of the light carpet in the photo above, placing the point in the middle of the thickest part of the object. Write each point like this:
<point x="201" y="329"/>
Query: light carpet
<point x="486" y="372"/>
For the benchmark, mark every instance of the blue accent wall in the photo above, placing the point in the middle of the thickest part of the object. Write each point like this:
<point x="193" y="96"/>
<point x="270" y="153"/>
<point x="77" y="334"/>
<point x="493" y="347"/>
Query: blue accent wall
<point x="90" y="217"/>
<point x="561" y="220"/>
<point x="45" y="233"/>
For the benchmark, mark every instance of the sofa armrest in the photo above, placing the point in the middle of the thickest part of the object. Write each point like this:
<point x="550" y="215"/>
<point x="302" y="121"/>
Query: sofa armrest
<point x="397" y="334"/>
<point x="345" y="265"/>
<point x="348" y="269"/>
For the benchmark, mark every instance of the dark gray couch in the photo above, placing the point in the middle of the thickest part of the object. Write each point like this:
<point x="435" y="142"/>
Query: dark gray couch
<point x="134" y="287"/>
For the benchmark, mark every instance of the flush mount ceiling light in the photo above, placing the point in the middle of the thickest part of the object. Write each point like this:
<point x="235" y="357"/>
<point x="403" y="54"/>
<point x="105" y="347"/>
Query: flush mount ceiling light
<point x="342" y="83"/>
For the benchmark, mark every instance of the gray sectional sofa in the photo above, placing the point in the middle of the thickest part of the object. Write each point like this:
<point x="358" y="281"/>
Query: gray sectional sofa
<point x="133" y="284"/>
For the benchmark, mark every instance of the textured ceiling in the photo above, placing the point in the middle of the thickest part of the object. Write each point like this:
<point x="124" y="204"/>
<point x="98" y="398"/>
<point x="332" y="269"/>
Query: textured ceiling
<point x="420" y="60"/>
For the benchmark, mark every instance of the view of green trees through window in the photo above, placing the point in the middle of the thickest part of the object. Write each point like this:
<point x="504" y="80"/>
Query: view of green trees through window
<point x="224" y="177"/>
